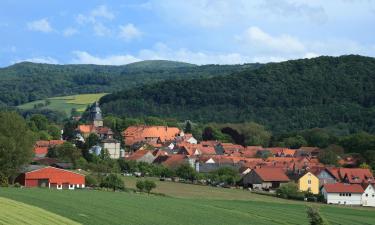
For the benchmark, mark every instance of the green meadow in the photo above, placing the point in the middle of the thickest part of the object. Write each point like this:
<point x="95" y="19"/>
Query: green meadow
<point x="66" y="103"/>
<point x="204" y="207"/>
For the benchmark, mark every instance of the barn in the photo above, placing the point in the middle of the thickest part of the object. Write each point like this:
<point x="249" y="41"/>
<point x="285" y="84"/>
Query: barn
<point x="51" y="177"/>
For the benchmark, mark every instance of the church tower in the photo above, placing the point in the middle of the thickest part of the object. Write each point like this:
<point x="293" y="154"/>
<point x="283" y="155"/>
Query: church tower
<point x="96" y="115"/>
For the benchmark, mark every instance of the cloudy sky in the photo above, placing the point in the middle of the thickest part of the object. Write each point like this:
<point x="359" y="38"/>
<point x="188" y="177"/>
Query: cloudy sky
<point x="196" y="31"/>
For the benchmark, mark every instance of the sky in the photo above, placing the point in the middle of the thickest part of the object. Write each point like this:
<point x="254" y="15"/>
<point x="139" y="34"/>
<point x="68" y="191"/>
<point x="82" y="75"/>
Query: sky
<point x="119" y="32"/>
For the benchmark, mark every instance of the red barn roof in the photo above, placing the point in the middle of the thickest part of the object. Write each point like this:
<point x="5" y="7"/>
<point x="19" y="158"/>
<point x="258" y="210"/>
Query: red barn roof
<point x="55" y="175"/>
<point x="271" y="174"/>
<point x="341" y="187"/>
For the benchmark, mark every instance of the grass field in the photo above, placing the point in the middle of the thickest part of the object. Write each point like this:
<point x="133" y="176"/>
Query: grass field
<point x="66" y="103"/>
<point x="206" y="206"/>
<point x="13" y="212"/>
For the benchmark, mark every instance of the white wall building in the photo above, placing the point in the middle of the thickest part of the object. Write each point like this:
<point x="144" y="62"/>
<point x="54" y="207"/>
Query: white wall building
<point x="343" y="194"/>
<point x="368" y="197"/>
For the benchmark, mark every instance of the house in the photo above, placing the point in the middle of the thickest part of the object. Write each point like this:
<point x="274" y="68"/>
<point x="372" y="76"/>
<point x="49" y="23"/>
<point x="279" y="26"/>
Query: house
<point x="142" y="156"/>
<point x="51" y="177"/>
<point x="368" y="196"/>
<point x="265" y="178"/>
<point x="343" y="194"/>
<point x="149" y="134"/>
<point x="113" y="147"/>
<point x="327" y="176"/>
<point x="41" y="147"/>
<point x="309" y="182"/>
<point x="172" y="161"/>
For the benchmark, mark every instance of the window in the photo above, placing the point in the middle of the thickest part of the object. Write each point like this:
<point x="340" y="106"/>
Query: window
<point x="340" y="194"/>
<point x="309" y="181"/>
<point x="373" y="195"/>
<point x="350" y="194"/>
<point x="366" y="195"/>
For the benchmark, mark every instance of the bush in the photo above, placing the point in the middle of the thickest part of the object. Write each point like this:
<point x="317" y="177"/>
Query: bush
<point x="289" y="191"/>
<point x="186" y="172"/>
<point x="113" y="181"/>
<point x="17" y="185"/>
<point x="314" y="217"/>
<point x="91" y="181"/>
<point x="145" y="185"/>
<point x="140" y="185"/>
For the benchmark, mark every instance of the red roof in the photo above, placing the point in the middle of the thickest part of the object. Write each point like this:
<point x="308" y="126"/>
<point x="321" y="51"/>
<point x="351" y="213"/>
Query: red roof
<point x="341" y="187"/>
<point x="138" y="154"/>
<point x="271" y="174"/>
<point x="134" y="134"/>
<point x="41" y="150"/>
<point x="55" y="175"/>
<point x="174" y="161"/>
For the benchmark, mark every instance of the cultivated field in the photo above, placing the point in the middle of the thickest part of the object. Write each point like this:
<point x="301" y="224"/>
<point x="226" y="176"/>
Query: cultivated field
<point x="12" y="212"/>
<point x="206" y="207"/>
<point x="66" y="103"/>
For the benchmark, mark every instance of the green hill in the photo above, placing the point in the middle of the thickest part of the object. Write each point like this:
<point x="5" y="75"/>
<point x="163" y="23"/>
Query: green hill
<point x="27" y="82"/>
<point x="284" y="96"/>
<point x="101" y="207"/>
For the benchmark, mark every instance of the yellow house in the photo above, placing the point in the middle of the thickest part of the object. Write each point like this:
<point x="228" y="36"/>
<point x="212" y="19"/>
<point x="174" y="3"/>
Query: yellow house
<point x="309" y="182"/>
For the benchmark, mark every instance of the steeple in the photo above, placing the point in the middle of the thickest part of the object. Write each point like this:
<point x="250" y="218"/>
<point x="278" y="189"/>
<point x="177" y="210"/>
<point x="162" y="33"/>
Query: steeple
<point x="96" y="115"/>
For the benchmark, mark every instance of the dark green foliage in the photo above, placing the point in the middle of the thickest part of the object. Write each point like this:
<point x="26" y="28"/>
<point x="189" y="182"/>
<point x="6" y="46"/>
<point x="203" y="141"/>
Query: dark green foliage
<point x="113" y="181"/>
<point x="66" y="152"/>
<point x="289" y="191"/>
<point x="314" y="216"/>
<point x="188" y="127"/>
<point x="225" y="175"/>
<point x="328" y="157"/>
<point x="292" y="95"/>
<point x="294" y="142"/>
<point x="145" y="185"/>
<point x="186" y="172"/>
<point x="16" y="145"/>
<point x="26" y="82"/>
<point x="91" y="181"/>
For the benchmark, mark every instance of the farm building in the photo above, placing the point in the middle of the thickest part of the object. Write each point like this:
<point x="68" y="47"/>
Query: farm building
<point x="368" y="196"/>
<point x="51" y="177"/>
<point x="343" y="194"/>
<point x="265" y="178"/>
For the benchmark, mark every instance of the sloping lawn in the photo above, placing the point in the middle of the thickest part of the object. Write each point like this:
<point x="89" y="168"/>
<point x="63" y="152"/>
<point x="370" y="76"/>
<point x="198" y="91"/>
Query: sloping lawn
<point x="100" y="207"/>
<point x="13" y="212"/>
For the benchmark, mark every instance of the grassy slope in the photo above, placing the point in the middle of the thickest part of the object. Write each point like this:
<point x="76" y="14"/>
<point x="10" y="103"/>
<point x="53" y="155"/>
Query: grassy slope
<point x="10" y="213"/>
<point x="203" y="206"/>
<point x="66" y="103"/>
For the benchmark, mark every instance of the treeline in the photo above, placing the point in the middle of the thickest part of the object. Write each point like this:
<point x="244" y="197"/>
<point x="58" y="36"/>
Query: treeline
<point x="286" y="96"/>
<point x="26" y="82"/>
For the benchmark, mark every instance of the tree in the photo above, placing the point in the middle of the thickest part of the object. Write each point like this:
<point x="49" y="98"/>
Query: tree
<point x="113" y="181"/>
<point x="40" y="121"/>
<point x="290" y="191"/>
<point x="317" y="137"/>
<point x="208" y="134"/>
<point x="68" y="152"/>
<point x="314" y="216"/>
<point x="254" y="134"/>
<point x="69" y="130"/>
<point x="185" y="171"/>
<point x="91" y="181"/>
<point x="328" y="157"/>
<point x="294" y="142"/>
<point x="16" y="144"/>
<point x="140" y="185"/>
<point x="92" y="140"/>
<point x="188" y="127"/>
<point x="149" y="185"/>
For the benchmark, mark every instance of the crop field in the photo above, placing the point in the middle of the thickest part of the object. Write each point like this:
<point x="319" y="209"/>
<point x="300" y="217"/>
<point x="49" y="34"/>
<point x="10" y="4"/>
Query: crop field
<point x="66" y="103"/>
<point x="101" y="207"/>
<point x="12" y="212"/>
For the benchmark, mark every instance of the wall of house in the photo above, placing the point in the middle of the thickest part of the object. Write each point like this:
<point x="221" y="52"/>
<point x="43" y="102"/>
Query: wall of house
<point x="113" y="149"/>
<point x="343" y="198"/>
<point x="309" y="182"/>
<point x="148" y="158"/>
<point x="368" y="197"/>
<point x="252" y="180"/>
<point x="325" y="178"/>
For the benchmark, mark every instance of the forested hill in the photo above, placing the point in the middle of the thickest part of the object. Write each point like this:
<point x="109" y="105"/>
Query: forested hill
<point x="26" y="82"/>
<point x="292" y="95"/>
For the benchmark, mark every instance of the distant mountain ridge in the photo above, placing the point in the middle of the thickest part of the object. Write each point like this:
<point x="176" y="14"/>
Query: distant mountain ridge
<point x="286" y="96"/>
<point x="25" y="82"/>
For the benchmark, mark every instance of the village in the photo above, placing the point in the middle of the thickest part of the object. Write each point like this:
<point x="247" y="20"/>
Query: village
<point x="261" y="169"/>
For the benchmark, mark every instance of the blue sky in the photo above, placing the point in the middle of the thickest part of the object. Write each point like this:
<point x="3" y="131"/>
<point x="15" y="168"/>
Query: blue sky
<point x="195" y="31"/>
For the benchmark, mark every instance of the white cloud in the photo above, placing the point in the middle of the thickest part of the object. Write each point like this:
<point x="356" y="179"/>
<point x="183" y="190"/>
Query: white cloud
<point x="99" y="12"/>
<point x="96" y="18"/>
<point x="101" y="30"/>
<point x="70" y="32"/>
<point x="257" y="38"/>
<point x="41" y="25"/>
<point x="82" y="57"/>
<point x="129" y="32"/>
<point x="41" y="59"/>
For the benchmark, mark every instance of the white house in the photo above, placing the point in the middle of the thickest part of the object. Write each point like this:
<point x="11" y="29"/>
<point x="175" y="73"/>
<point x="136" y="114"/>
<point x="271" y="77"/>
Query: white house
<point x="368" y="196"/>
<point x="343" y="194"/>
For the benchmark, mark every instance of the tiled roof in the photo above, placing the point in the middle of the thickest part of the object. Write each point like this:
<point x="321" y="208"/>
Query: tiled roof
<point x="341" y="187"/>
<point x="86" y="128"/>
<point x="137" y="155"/>
<point x="41" y="150"/>
<point x="135" y="134"/>
<point x="271" y="174"/>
